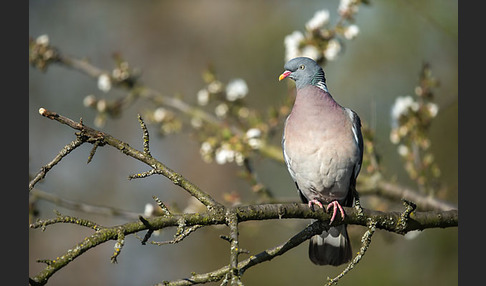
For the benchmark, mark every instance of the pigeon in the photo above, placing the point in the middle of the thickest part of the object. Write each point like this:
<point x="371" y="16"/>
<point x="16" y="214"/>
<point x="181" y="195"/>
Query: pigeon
<point x="323" y="150"/>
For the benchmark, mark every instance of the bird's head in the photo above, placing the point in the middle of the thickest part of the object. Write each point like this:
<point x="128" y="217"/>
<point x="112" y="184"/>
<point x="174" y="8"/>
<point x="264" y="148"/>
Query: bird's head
<point x="304" y="71"/>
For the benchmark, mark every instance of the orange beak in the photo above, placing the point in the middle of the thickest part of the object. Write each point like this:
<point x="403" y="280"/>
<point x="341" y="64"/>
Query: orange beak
<point x="284" y="75"/>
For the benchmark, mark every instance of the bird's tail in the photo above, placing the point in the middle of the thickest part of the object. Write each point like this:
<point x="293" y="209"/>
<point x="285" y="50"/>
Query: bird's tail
<point x="332" y="247"/>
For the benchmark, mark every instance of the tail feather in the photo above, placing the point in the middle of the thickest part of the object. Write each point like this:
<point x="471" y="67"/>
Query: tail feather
<point x="332" y="247"/>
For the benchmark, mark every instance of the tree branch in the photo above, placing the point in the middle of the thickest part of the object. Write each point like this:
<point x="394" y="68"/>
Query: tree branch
<point x="64" y="152"/>
<point x="390" y="221"/>
<point x="80" y="206"/>
<point x="93" y="135"/>
<point x="366" y="241"/>
<point x="376" y="185"/>
<point x="253" y="260"/>
<point x="232" y="222"/>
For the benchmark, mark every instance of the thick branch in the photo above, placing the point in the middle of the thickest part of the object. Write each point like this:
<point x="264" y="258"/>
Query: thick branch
<point x="390" y="221"/>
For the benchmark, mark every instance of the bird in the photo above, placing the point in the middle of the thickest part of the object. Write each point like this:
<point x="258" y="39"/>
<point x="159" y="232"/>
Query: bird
<point x="322" y="147"/>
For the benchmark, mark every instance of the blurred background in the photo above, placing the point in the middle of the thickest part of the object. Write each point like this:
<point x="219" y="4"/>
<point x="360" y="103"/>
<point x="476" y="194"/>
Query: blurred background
<point x="172" y="43"/>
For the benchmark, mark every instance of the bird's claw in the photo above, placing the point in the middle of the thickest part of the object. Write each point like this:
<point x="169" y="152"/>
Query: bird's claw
<point x="315" y="202"/>
<point x="335" y="205"/>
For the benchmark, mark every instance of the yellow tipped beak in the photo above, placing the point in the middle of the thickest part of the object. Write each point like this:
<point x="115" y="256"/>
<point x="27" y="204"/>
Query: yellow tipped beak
<point x="284" y="75"/>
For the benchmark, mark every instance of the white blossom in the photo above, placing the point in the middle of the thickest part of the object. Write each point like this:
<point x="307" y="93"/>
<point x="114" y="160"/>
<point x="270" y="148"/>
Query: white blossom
<point x="101" y="105"/>
<point x="196" y="122"/>
<point x="239" y="159"/>
<point x="224" y="155"/>
<point x="351" y="32"/>
<point x="160" y="114"/>
<point x="253" y="136"/>
<point x="255" y="143"/>
<point x="215" y="86"/>
<point x="292" y="43"/>
<point x="347" y="7"/>
<point x="236" y="89"/>
<point x="253" y="133"/>
<point x="206" y="148"/>
<point x="104" y="82"/>
<point x="319" y="20"/>
<point x="151" y="211"/>
<point x="89" y="100"/>
<point x="203" y="97"/>
<point x="433" y="109"/>
<point x="332" y="50"/>
<point x="402" y="150"/>
<point x="42" y="40"/>
<point x="419" y="91"/>
<point x="221" y="110"/>
<point x="394" y="136"/>
<point x="401" y="107"/>
<point x="243" y="112"/>
<point x="100" y="120"/>
<point x="120" y="74"/>
<point x="206" y="152"/>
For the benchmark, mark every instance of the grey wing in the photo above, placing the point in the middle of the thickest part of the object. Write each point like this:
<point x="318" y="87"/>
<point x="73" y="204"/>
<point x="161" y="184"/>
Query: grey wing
<point x="286" y="157"/>
<point x="358" y="137"/>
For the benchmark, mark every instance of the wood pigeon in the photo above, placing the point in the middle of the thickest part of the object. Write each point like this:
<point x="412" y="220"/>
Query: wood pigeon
<point x="323" y="149"/>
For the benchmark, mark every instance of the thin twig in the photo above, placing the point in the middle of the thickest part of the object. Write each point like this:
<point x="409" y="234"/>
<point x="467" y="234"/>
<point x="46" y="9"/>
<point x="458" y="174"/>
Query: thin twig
<point x="63" y="153"/>
<point x="405" y="216"/>
<point x="163" y="207"/>
<point x="178" y="238"/>
<point x="376" y="185"/>
<point x="118" y="245"/>
<point x="144" y="174"/>
<point x="253" y="260"/>
<point x="146" y="145"/>
<point x="366" y="241"/>
<point x="81" y="206"/>
<point x="42" y="224"/>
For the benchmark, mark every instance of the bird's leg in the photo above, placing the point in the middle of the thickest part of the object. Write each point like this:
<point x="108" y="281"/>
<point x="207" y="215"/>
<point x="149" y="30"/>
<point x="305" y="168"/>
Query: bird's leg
<point x="336" y="206"/>
<point x="314" y="202"/>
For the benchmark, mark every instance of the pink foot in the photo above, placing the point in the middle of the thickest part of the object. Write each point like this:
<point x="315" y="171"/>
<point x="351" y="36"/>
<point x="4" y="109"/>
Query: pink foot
<point x="315" y="202"/>
<point x="336" y="206"/>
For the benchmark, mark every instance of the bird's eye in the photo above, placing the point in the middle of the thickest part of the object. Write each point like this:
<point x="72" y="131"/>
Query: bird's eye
<point x="302" y="67"/>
